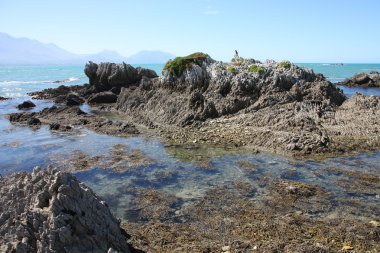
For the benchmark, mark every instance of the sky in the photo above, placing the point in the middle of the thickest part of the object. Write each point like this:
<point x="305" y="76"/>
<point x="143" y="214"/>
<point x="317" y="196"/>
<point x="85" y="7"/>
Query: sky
<point x="295" y="30"/>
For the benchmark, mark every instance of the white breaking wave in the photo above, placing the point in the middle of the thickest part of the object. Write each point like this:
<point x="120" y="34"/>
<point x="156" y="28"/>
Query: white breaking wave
<point x="68" y="80"/>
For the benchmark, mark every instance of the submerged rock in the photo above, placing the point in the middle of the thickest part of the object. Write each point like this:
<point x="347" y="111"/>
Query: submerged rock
<point x="363" y="80"/>
<point x="26" y="105"/>
<point x="50" y="211"/>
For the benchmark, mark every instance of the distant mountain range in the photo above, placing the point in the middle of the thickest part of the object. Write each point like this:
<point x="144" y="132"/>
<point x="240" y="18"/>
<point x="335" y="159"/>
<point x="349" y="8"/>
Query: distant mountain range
<point x="27" y="51"/>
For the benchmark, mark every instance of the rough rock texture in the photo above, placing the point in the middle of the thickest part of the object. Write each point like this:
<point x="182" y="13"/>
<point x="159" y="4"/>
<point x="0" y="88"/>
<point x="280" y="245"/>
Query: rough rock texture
<point x="274" y="106"/>
<point x="111" y="76"/>
<point x="363" y="80"/>
<point x="49" y="211"/>
<point x="26" y="105"/>
<point x="102" y="97"/>
<point x="68" y="118"/>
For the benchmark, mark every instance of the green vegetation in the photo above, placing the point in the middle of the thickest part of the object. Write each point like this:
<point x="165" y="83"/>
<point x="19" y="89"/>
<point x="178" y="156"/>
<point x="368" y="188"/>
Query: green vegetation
<point x="257" y="69"/>
<point x="237" y="61"/>
<point x="285" y="64"/>
<point x="178" y="65"/>
<point x="232" y="70"/>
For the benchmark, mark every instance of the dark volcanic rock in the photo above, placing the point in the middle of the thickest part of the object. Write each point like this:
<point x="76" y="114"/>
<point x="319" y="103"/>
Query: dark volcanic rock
<point x="26" y="105"/>
<point x="3" y="98"/>
<point x="107" y="76"/>
<point x="102" y="97"/>
<point x="50" y="211"/>
<point x="73" y="99"/>
<point x="59" y="94"/>
<point x="34" y="122"/>
<point x="363" y="80"/>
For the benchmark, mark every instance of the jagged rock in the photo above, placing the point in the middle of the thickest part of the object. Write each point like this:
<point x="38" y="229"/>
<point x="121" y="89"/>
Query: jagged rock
<point x="363" y="80"/>
<point x="196" y="88"/>
<point x="102" y="97"/>
<point x="50" y="211"/>
<point x="107" y="76"/>
<point x="26" y="105"/>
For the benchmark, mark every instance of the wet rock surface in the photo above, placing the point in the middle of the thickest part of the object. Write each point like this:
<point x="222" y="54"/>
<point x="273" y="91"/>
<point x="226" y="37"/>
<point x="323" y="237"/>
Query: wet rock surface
<point x="26" y="105"/>
<point x="50" y="211"/>
<point x="68" y="118"/>
<point x="363" y="80"/>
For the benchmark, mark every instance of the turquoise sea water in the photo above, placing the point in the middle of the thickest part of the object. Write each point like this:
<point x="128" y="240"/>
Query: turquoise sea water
<point x="186" y="172"/>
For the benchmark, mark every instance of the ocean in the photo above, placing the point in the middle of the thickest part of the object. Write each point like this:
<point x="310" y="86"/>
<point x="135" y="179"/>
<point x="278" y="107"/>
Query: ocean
<point x="176" y="170"/>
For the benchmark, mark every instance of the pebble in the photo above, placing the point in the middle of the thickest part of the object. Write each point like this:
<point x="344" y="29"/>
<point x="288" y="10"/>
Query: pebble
<point x="375" y="223"/>
<point x="226" y="248"/>
<point x="347" y="247"/>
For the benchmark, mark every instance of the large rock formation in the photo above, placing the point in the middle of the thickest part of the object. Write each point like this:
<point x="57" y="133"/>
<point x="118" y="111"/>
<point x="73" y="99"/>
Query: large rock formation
<point x="49" y="211"/>
<point x="111" y="76"/>
<point x="363" y="80"/>
<point x="207" y="89"/>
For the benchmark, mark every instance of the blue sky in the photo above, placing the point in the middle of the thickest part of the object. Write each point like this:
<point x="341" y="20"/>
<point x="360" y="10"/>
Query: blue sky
<point x="297" y="30"/>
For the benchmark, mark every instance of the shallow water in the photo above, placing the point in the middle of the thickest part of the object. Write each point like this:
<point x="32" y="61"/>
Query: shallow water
<point x="186" y="172"/>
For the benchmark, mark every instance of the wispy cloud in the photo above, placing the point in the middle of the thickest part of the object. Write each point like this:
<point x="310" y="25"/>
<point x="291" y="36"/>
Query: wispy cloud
<point x="211" y="11"/>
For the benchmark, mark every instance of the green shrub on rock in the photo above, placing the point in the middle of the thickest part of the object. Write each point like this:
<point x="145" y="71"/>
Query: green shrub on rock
<point x="232" y="70"/>
<point x="178" y="65"/>
<point x="285" y="64"/>
<point x="256" y="69"/>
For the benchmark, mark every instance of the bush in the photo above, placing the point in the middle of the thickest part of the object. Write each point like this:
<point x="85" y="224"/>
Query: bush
<point x="232" y="70"/>
<point x="178" y="65"/>
<point x="285" y="64"/>
<point x="257" y="69"/>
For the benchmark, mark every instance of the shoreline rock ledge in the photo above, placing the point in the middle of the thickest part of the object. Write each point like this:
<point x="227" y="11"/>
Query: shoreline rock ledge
<point x="50" y="211"/>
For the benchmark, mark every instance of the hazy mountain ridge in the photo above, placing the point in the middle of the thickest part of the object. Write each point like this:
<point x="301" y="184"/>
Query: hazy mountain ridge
<point x="28" y="51"/>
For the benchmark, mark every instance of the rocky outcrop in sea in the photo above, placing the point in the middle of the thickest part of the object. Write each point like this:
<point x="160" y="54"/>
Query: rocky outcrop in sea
<point x="363" y="80"/>
<point x="51" y="211"/>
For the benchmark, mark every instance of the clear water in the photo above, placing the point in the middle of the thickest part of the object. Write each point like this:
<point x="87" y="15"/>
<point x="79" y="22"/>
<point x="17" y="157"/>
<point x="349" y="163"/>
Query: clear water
<point x="190" y="171"/>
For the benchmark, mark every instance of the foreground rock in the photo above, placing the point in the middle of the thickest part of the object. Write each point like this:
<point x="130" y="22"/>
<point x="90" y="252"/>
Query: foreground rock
<point x="363" y="80"/>
<point x="26" y="105"/>
<point x="49" y="211"/>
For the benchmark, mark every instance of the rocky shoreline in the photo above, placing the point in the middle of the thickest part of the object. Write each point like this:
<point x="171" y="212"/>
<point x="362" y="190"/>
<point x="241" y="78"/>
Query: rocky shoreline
<point x="273" y="106"/>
